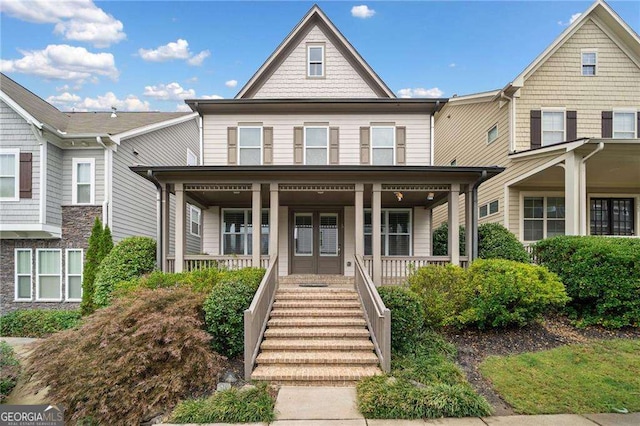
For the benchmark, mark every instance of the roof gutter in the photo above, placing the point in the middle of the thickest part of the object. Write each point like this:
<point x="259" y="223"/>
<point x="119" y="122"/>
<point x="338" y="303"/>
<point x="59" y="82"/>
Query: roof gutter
<point x="159" y="243"/>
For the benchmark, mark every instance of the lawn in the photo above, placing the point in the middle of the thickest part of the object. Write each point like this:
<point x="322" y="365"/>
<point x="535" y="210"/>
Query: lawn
<point x="601" y="376"/>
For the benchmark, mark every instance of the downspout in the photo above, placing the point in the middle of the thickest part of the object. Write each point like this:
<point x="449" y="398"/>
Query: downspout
<point x="107" y="183"/>
<point x="512" y="120"/>
<point x="201" y="126"/>
<point x="474" y="215"/>
<point x="155" y="181"/>
<point x="583" y="188"/>
<point x="431" y="137"/>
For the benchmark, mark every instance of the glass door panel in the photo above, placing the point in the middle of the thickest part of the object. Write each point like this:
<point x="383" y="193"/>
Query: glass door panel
<point x="328" y="234"/>
<point x="303" y="234"/>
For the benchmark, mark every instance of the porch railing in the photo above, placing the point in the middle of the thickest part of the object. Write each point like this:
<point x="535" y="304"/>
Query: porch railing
<point x="377" y="315"/>
<point x="396" y="269"/>
<point x="202" y="261"/>
<point x="256" y="317"/>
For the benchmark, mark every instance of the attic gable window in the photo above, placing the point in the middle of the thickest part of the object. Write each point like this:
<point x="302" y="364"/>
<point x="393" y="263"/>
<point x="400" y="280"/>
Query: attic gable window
<point x="315" y="61"/>
<point x="589" y="63"/>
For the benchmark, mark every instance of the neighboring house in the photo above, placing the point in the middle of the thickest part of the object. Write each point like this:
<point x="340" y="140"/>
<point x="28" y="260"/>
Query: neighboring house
<point x="566" y="129"/>
<point x="58" y="172"/>
<point x="318" y="150"/>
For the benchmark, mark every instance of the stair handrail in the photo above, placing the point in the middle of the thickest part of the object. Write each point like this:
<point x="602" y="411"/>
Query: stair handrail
<point x="257" y="315"/>
<point x="377" y="315"/>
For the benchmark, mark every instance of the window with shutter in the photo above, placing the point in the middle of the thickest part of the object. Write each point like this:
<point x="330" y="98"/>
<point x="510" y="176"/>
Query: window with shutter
<point x="383" y="145"/>
<point x="364" y="145"/>
<point x="316" y="145"/>
<point x="624" y="124"/>
<point x="9" y="174"/>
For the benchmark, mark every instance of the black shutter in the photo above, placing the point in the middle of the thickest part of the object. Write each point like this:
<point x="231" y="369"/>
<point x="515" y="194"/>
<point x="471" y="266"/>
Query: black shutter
<point x="607" y="124"/>
<point x="572" y="126"/>
<point x="26" y="174"/>
<point x="536" y="129"/>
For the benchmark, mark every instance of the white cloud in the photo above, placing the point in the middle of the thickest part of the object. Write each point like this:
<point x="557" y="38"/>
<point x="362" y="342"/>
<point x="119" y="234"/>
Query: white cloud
<point x="231" y="83"/>
<point x="211" y="97"/>
<point x="69" y="101"/>
<point x="63" y="62"/>
<point x="169" y="92"/>
<point x="452" y="65"/>
<point x="571" y="20"/>
<point x="172" y="51"/>
<point x="64" y="99"/>
<point x="78" y="20"/>
<point x="193" y="79"/>
<point x="183" y="108"/>
<point x="362" y="11"/>
<point x="420" y="92"/>
<point x="63" y="88"/>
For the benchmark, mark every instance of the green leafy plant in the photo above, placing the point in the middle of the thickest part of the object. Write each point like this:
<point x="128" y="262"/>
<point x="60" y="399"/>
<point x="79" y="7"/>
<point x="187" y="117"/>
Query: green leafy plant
<point x="407" y="316"/>
<point x="131" y="360"/>
<point x="602" y="277"/>
<point x="440" y="239"/>
<point x="131" y="258"/>
<point x="100" y="244"/>
<point x="37" y="322"/>
<point x="9" y="370"/>
<point x="497" y="242"/>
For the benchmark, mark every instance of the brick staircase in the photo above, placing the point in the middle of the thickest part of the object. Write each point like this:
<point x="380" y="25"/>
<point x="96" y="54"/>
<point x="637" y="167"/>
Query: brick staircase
<point x="316" y="336"/>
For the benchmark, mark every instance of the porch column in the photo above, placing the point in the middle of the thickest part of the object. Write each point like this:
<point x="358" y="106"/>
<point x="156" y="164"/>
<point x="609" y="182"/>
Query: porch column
<point x="454" y="224"/>
<point x="359" y="222"/>
<point x="256" y="221"/>
<point x="572" y="193"/>
<point x="273" y="218"/>
<point x="180" y="226"/>
<point x="376" y="209"/>
<point x="166" y="221"/>
<point x="470" y="223"/>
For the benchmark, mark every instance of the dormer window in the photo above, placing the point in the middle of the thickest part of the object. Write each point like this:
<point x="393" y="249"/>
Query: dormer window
<point x="315" y="61"/>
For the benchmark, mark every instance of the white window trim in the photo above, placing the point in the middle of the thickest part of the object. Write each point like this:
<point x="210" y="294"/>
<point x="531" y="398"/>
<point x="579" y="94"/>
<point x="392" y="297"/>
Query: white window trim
<point x="544" y="195"/>
<point x="304" y="132"/>
<point x="251" y="147"/>
<point x="15" y="261"/>
<point x="497" y="134"/>
<point x="623" y="111"/>
<point x="582" y="52"/>
<point x="191" y="155"/>
<point x="16" y="153"/>
<point x="74" y="180"/>
<point x="38" y="298"/>
<point x="193" y="209"/>
<point x="247" y="214"/>
<point x="487" y="205"/>
<point x="371" y="147"/>
<point x="564" y="124"/>
<point x="67" y="274"/>
<point x="312" y="46"/>
<point x="385" y="249"/>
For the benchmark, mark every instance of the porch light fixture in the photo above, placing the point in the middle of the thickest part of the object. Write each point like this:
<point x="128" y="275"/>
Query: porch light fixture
<point x="320" y="192"/>
<point x="236" y="192"/>
<point x="430" y="196"/>
<point x="398" y="195"/>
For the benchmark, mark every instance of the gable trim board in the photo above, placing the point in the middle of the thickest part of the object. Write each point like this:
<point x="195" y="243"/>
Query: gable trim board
<point x="315" y="16"/>
<point x="117" y="138"/>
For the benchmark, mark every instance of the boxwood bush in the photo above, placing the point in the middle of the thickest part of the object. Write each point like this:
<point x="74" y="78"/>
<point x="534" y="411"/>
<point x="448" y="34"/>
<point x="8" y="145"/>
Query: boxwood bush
<point x="37" y="322"/>
<point x="501" y="293"/>
<point x="129" y="259"/>
<point x="602" y="277"/>
<point x="407" y="316"/>
<point x="441" y="240"/>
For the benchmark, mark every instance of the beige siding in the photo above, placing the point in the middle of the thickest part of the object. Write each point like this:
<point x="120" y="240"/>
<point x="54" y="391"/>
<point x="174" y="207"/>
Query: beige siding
<point x="421" y="232"/>
<point x="290" y="79"/>
<point x="211" y="231"/>
<point x="283" y="241"/>
<point x="417" y="143"/>
<point x="349" y="240"/>
<point x="559" y="83"/>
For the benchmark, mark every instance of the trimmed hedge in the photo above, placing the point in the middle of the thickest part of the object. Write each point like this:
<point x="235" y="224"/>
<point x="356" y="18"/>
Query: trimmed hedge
<point x="37" y="322"/>
<point x="602" y="277"/>
<point x="131" y="258"/>
<point x="9" y="370"/>
<point x="407" y="316"/>
<point x="440" y="239"/>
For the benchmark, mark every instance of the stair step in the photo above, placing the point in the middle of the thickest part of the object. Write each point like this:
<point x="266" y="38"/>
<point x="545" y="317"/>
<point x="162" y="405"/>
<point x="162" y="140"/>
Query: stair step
<point x="340" y="304"/>
<point x="293" y="344"/>
<point x="317" y="357"/>
<point x="331" y="295"/>
<point x="317" y="313"/>
<point x="313" y="373"/>
<point x="316" y="332"/>
<point x="316" y="322"/>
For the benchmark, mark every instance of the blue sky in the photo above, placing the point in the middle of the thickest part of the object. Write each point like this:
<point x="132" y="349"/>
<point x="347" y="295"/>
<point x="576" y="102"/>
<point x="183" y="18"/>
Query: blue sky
<point x="142" y="55"/>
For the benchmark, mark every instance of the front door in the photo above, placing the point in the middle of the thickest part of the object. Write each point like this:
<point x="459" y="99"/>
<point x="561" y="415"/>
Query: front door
<point x="315" y="242"/>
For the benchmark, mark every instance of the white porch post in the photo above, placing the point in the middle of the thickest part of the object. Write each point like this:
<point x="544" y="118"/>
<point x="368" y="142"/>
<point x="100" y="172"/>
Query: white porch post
<point x="468" y="222"/>
<point x="376" y="210"/>
<point x="572" y="193"/>
<point x="180" y="227"/>
<point x="273" y="218"/>
<point x="454" y="224"/>
<point x="359" y="222"/>
<point x="256" y="223"/>
<point x="166" y="220"/>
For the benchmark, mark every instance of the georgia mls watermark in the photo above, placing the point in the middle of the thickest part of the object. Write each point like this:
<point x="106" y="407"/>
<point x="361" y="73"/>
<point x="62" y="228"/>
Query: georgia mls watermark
<point x="31" y="415"/>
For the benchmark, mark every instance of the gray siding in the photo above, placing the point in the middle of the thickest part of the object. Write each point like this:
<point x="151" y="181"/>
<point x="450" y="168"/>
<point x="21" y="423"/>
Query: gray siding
<point x="194" y="244"/>
<point x="54" y="185"/>
<point x="16" y="133"/>
<point x="67" y="177"/>
<point x="134" y="198"/>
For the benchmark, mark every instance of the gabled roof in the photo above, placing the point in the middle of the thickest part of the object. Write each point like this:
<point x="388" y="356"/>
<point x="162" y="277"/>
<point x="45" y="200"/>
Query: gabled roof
<point x="315" y="16"/>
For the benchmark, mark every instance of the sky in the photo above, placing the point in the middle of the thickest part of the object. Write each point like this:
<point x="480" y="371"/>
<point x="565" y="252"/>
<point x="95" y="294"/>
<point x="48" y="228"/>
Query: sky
<point x="151" y="55"/>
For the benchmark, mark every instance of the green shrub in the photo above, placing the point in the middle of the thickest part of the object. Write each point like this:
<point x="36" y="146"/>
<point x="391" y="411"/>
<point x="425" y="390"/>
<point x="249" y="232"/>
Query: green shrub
<point x="131" y="258"/>
<point x="500" y="293"/>
<point x="9" y="370"/>
<point x="497" y="242"/>
<point x="100" y="244"/>
<point x="602" y="277"/>
<point x="225" y="306"/>
<point x="37" y="322"/>
<point x="407" y="316"/>
<point x="439" y="288"/>
<point x="441" y="240"/>
<point x="229" y="406"/>
<point x="131" y="360"/>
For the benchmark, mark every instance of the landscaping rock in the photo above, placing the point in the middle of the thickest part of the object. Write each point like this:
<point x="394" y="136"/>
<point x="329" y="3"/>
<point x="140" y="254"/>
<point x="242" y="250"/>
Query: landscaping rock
<point x="223" y="386"/>
<point x="247" y="387"/>
<point x="229" y="377"/>
<point x="417" y="384"/>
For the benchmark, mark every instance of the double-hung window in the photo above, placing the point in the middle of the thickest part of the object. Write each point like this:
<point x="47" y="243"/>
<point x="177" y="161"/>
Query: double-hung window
<point x="624" y="124"/>
<point x="49" y="274"/>
<point x="315" y="61"/>
<point x="24" y="271"/>
<point x="250" y="146"/>
<point x="237" y="231"/>
<point x="194" y="220"/>
<point x="383" y="145"/>
<point x="589" y="62"/>
<point x="543" y="217"/>
<point x="395" y="230"/>
<point x="83" y="191"/>
<point x="492" y="134"/>
<point x="192" y="159"/>
<point x="553" y="127"/>
<point x="316" y="145"/>
<point x="74" y="275"/>
<point x="9" y="174"/>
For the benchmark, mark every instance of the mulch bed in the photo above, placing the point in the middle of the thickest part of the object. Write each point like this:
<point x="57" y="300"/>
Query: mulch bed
<point x="475" y="345"/>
